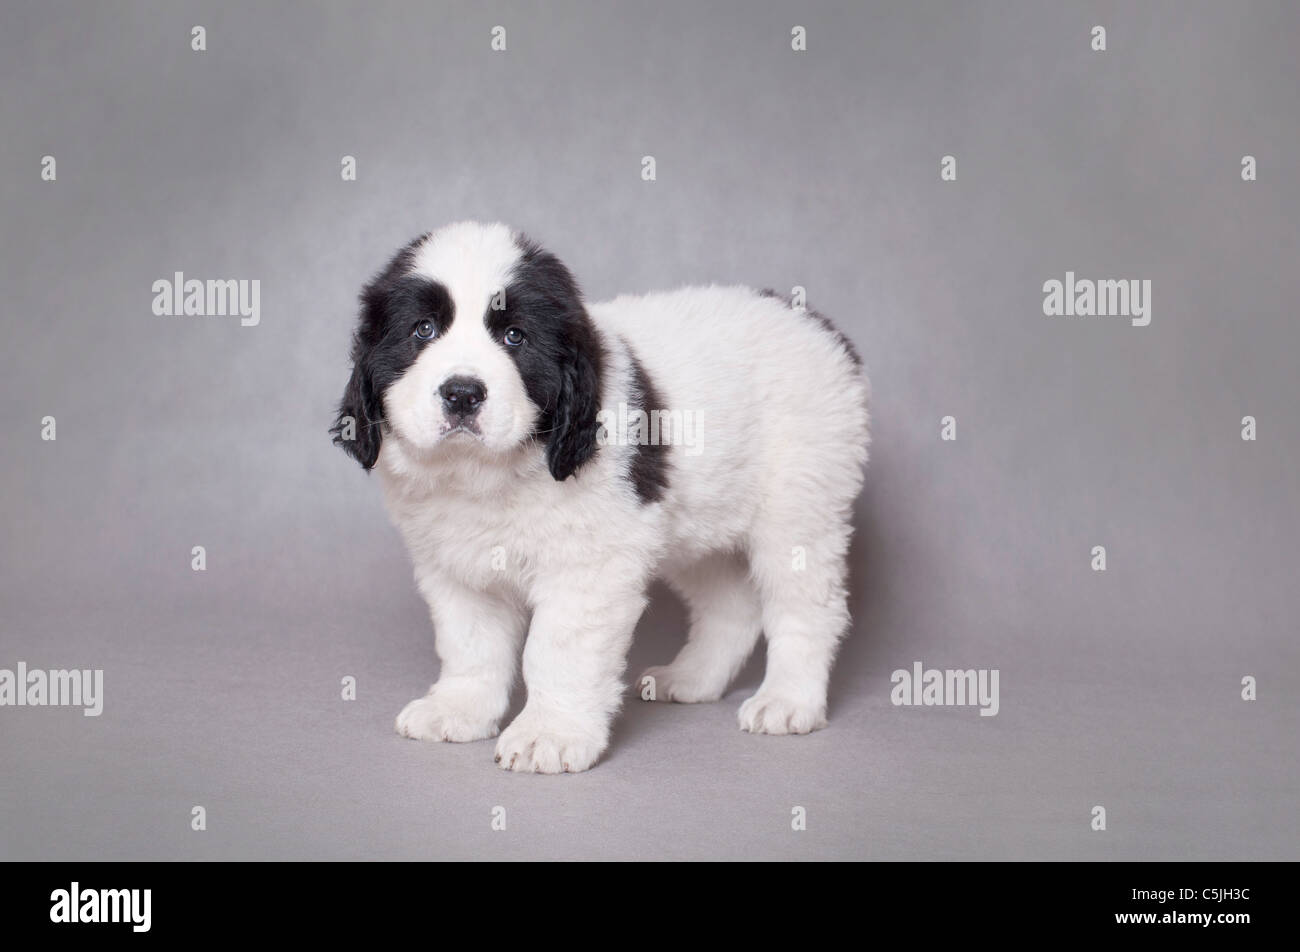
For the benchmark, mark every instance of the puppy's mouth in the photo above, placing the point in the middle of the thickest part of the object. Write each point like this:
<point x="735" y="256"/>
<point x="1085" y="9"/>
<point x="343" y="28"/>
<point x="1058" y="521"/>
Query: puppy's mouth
<point x="461" y="429"/>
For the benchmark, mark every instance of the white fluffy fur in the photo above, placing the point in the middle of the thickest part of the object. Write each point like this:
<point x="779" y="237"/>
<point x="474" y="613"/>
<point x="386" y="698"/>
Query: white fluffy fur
<point x="752" y="531"/>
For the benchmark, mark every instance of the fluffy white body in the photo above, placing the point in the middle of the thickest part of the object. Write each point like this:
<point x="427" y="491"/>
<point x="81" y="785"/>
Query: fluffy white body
<point x="752" y="527"/>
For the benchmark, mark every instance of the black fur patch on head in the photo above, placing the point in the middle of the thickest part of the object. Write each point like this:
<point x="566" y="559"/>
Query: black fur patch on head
<point x="561" y="358"/>
<point x="821" y="319"/>
<point x="384" y="346"/>
<point x="649" y="467"/>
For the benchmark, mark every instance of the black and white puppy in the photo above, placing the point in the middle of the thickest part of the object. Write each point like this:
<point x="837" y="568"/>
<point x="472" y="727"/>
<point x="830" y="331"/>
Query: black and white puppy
<point x="546" y="459"/>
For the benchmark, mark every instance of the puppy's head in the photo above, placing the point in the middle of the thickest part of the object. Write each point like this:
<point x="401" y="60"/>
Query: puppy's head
<point x="473" y="337"/>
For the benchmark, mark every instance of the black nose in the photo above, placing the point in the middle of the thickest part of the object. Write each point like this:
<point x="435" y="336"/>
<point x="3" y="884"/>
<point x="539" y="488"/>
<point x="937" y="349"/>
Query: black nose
<point x="462" y="395"/>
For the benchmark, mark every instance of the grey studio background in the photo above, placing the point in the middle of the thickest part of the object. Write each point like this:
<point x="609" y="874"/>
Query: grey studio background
<point x="774" y="168"/>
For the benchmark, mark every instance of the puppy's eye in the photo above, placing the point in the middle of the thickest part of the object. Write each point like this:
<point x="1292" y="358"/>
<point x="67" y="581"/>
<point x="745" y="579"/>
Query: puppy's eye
<point x="514" y="336"/>
<point x="425" y="330"/>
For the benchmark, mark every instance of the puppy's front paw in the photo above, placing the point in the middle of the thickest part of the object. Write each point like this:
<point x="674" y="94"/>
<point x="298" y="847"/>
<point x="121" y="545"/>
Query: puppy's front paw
<point x="443" y="715"/>
<point x="671" y="683"/>
<point x="536" y="743"/>
<point x="770" y="713"/>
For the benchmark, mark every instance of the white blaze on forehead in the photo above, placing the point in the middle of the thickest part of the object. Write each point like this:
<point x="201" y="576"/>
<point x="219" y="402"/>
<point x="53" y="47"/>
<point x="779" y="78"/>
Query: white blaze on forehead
<point x="472" y="261"/>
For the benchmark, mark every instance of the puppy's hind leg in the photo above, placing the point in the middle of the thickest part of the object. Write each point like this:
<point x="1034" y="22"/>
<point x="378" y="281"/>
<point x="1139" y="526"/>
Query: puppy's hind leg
<point x="799" y="566"/>
<point x="725" y="625"/>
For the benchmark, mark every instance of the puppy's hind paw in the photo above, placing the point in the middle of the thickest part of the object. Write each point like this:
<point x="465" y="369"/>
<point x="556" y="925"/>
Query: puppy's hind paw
<point x="670" y="683"/>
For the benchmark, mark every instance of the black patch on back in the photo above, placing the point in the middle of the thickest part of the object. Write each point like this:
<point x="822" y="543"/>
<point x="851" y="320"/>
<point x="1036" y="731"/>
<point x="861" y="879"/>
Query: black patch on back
<point x="384" y="346"/>
<point x="821" y="319"/>
<point x="649" y="467"/>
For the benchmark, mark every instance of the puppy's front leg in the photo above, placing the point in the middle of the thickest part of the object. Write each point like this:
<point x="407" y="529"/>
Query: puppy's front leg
<point x="573" y="665"/>
<point x="478" y="636"/>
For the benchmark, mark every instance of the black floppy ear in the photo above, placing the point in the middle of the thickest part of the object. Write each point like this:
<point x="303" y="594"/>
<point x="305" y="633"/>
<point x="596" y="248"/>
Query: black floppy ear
<point x="357" y="428"/>
<point x="574" y="425"/>
<point x="359" y="425"/>
<point x="562" y="366"/>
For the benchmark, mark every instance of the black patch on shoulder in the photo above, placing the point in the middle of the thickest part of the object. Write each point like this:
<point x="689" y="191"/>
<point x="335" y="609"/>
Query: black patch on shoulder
<point x="649" y="467"/>
<point x="822" y="320"/>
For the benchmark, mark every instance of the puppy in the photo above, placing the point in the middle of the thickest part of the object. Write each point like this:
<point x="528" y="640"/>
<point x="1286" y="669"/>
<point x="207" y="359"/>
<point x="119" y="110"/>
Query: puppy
<point x="546" y="459"/>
